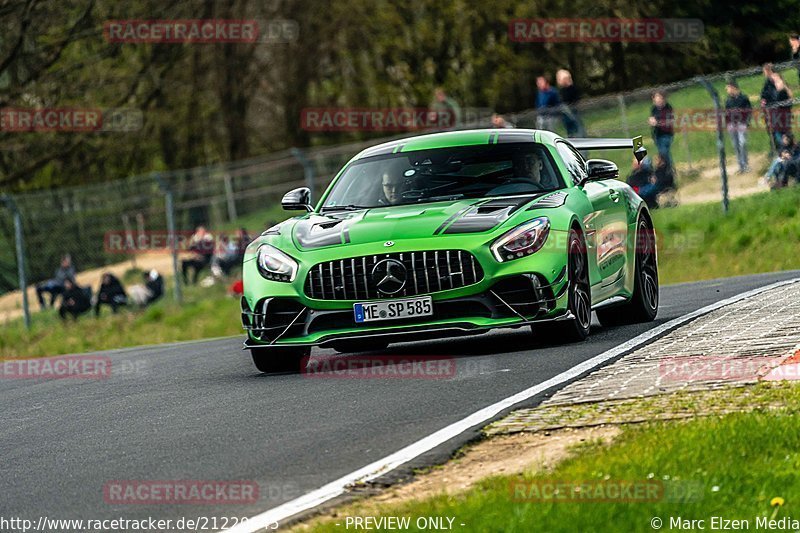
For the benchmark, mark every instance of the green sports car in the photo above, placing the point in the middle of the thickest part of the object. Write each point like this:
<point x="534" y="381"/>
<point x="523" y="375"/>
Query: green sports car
<point x="449" y="234"/>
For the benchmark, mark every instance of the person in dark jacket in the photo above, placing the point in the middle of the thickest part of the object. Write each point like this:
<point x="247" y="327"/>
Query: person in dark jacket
<point x="570" y="96"/>
<point x="111" y="293"/>
<point x="155" y="285"/>
<point x="640" y="177"/>
<point x="794" y="45"/>
<point x="662" y="120"/>
<point x="75" y="300"/>
<point x="769" y="96"/>
<point x="781" y="115"/>
<point x="201" y="248"/>
<point x="738" y="111"/>
<point x="55" y="286"/>
<point x="548" y="104"/>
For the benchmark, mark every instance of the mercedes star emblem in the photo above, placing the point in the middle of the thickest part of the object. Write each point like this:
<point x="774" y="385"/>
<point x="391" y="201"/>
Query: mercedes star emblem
<point x="389" y="276"/>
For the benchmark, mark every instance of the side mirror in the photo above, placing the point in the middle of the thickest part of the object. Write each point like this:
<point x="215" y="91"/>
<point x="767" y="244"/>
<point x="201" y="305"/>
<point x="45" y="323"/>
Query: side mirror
<point x="601" y="169"/>
<point x="297" y="200"/>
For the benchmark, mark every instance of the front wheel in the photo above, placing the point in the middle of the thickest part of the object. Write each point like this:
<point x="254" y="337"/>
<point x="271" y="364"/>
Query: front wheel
<point x="579" y="305"/>
<point x="643" y="305"/>
<point x="279" y="359"/>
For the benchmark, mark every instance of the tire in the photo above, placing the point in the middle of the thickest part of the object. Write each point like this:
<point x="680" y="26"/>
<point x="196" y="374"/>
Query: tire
<point x="279" y="359"/>
<point x="643" y="305"/>
<point x="580" y="298"/>
<point x="365" y="345"/>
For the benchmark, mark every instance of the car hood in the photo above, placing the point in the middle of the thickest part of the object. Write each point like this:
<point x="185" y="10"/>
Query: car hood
<point x="383" y="224"/>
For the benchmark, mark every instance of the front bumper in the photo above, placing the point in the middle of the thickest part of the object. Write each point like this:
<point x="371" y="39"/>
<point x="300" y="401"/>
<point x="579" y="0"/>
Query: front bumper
<point x="511" y="301"/>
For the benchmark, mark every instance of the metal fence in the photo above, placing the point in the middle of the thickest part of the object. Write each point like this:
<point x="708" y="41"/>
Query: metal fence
<point x="77" y="220"/>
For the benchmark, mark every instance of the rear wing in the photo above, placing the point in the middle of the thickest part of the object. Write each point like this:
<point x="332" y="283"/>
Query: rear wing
<point x="636" y="144"/>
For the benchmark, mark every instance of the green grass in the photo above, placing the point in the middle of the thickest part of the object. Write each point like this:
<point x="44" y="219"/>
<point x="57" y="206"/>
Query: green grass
<point x="761" y="233"/>
<point x="730" y="466"/>
<point x="205" y="313"/>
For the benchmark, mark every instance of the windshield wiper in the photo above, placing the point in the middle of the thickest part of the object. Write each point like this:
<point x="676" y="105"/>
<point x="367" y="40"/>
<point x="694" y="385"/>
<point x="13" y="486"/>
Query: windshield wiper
<point x="442" y="198"/>
<point x="350" y="207"/>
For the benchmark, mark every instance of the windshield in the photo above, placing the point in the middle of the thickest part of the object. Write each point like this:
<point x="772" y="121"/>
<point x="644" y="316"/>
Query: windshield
<point x="445" y="174"/>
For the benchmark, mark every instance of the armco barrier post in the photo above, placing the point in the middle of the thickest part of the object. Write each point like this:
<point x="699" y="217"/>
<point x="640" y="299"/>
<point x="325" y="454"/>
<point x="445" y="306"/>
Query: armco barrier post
<point x="20" y="246"/>
<point x="169" y="201"/>
<point x="720" y="141"/>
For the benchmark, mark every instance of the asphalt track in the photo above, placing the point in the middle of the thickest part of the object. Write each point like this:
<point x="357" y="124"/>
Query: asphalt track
<point x="200" y="411"/>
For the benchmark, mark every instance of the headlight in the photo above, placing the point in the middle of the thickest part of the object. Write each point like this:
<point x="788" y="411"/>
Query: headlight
<point x="275" y="265"/>
<point x="522" y="241"/>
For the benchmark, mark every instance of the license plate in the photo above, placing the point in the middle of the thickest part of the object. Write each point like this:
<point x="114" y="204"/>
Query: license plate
<point x="393" y="309"/>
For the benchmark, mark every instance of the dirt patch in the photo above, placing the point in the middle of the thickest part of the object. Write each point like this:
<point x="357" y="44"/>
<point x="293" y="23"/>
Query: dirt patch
<point x="501" y="455"/>
<point x="706" y="187"/>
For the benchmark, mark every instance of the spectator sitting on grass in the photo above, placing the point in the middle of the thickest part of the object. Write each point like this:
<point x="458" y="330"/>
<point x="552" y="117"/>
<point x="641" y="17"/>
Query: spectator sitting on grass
<point x="229" y="253"/>
<point x="111" y="293"/>
<point x="75" y="300"/>
<point x="785" y="164"/>
<point x="640" y="175"/>
<point x="201" y="247"/>
<point x="55" y="286"/>
<point x="150" y="291"/>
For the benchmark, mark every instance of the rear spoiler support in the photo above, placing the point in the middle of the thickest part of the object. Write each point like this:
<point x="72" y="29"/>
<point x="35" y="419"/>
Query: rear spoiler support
<point x="636" y="144"/>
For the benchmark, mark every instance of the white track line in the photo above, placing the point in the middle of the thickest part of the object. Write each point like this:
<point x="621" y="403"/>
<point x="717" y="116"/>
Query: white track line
<point x="380" y="467"/>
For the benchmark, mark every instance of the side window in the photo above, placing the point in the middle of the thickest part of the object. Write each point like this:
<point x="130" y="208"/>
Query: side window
<point x="575" y="164"/>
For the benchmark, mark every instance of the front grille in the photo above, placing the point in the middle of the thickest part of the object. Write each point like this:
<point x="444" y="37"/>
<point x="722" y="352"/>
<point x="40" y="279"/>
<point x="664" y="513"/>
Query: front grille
<point x="426" y="272"/>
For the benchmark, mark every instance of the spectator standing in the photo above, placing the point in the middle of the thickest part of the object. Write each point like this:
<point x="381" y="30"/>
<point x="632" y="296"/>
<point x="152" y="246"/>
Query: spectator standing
<point x="782" y="112"/>
<point x="111" y="293"/>
<point x="55" y="286"/>
<point x="738" y="111"/>
<point x="662" y="120"/>
<point x="444" y="111"/>
<point x="769" y="95"/>
<point x="548" y="104"/>
<point x="75" y="300"/>
<point x="201" y="248"/>
<point x="794" y="45"/>
<point x="570" y="96"/>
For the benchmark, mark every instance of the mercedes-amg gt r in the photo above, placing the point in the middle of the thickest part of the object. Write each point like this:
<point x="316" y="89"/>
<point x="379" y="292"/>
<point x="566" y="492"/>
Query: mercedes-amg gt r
<point x="452" y="233"/>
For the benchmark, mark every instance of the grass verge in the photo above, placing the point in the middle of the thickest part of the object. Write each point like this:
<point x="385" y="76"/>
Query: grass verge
<point x="205" y="313"/>
<point x="731" y="466"/>
<point x="760" y="234"/>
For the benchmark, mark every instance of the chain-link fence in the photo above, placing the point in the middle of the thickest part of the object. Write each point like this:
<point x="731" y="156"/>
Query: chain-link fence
<point x="79" y="220"/>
